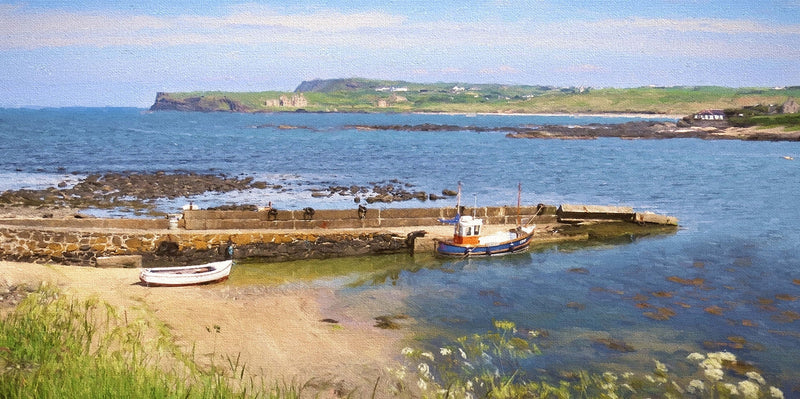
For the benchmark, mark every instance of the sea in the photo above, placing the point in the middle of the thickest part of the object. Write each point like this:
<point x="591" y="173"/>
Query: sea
<point x="727" y="280"/>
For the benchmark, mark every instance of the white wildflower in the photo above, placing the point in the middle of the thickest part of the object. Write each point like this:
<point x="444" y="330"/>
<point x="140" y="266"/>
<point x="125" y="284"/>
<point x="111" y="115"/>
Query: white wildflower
<point x="463" y="355"/>
<point x="407" y="351"/>
<point x="422" y="384"/>
<point x="445" y="351"/>
<point x="627" y="375"/>
<point x="650" y="378"/>
<point x="730" y="388"/>
<point x="723" y="356"/>
<point x="628" y="387"/>
<point x="424" y="370"/>
<point x="609" y="376"/>
<point x="775" y="393"/>
<point x="756" y="377"/>
<point x="749" y="389"/>
<point x="696" y="386"/>
<point x="468" y="385"/>
<point x="714" y="374"/>
<point x="661" y="367"/>
<point x="711" y="363"/>
<point x="427" y="354"/>
<point x="696" y="356"/>
<point x="400" y="373"/>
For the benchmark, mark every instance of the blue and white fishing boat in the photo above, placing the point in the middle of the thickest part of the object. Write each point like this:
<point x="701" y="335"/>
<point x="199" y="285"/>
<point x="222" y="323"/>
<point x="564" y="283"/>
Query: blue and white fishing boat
<point x="467" y="239"/>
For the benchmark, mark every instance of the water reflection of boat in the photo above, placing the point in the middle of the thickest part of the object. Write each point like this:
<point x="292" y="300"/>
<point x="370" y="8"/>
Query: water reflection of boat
<point x="468" y="241"/>
<point x="186" y="275"/>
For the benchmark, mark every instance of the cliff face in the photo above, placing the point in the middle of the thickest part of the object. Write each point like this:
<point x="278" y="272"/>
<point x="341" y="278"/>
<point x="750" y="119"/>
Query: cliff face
<point x="165" y="102"/>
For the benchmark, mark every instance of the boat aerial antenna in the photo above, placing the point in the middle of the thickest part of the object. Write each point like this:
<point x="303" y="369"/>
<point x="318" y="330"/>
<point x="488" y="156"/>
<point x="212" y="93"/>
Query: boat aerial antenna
<point x="475" y="205"/>
<point x="458" y="199"/>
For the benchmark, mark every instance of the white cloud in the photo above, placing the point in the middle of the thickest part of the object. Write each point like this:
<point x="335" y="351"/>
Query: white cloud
<point x="22" y="28"/>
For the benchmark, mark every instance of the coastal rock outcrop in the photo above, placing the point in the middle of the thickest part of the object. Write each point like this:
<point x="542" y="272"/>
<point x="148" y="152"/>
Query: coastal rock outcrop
<point x="135" y="190"/>
<point x="210" y="103"/>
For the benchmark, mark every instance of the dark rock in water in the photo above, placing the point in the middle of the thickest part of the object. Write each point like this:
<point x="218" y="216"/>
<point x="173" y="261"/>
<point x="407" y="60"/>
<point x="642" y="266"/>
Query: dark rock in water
<point x="579" y="270"/>
<point x="576" y="305"/>
<point x="614" y="344"/>
<point x="389" y="322"/>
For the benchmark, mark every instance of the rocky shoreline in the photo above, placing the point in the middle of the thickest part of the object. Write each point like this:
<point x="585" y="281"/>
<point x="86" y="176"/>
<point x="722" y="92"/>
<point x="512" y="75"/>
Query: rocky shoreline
<point x="628" y="130"/>
<point x="136" y="192"/>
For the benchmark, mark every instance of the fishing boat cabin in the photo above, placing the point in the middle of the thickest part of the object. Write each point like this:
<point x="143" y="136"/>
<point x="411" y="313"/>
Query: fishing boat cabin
<point x="468" y="231"/>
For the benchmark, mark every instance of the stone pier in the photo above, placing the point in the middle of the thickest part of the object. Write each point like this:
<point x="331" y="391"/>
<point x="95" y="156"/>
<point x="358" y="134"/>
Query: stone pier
<point x="202" y="236"/>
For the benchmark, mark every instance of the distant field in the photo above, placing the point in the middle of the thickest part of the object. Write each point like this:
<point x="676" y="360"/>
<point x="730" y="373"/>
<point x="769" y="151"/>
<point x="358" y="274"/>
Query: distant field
<point x="361" y="95"/>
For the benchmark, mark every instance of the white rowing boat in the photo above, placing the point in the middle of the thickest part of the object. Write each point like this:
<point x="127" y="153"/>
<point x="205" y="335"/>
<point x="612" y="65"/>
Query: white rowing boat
<point x="186" y="275"/>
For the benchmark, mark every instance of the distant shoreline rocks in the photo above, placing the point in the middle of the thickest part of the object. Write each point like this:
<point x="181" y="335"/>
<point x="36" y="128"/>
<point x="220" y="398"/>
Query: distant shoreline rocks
<point x="135" y="192"/>
<point x="628" y="130"/>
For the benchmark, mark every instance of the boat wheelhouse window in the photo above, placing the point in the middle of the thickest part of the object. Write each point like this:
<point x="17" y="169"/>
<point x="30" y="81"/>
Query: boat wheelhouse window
<point x="477" y="230"/>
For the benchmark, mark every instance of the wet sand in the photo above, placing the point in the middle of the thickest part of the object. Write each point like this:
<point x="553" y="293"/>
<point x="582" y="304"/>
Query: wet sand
<point x="278" y="331"/>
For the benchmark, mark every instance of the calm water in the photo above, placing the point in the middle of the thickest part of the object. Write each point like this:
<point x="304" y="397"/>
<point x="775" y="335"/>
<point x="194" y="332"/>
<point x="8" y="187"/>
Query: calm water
<point x="737" y="202"/>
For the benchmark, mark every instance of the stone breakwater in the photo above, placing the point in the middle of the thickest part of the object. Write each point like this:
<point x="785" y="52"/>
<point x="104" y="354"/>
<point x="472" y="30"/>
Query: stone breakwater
<point x="201" y="236"/>
<point x="204" y="235"/>
<point x="167" y="247"/>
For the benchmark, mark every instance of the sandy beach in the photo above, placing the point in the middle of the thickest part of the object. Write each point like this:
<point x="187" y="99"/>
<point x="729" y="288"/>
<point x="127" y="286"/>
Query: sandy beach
<point x="278" y="331"/>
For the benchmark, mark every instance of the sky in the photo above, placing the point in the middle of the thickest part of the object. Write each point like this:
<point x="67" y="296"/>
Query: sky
<point x="91" y="53"/>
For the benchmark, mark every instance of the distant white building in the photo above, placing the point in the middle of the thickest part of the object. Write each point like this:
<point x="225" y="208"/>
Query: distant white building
<point x="392" y="89"/>
<point x="710" y="115"/>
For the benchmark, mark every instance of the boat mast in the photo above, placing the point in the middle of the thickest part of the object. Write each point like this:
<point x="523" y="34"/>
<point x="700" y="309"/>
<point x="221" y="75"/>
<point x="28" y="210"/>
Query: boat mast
<point x="519" y="199"/>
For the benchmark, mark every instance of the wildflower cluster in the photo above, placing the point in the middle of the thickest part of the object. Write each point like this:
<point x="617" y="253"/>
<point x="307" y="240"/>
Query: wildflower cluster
<point x="714" y="381"/>
<point x="474" y="365"/>
<point x="488" y="366"/>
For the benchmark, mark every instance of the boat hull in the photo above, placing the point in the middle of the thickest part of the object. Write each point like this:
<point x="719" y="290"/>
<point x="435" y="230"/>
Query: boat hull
<point x="186" y="275"/>
<point x="449" y="248"/>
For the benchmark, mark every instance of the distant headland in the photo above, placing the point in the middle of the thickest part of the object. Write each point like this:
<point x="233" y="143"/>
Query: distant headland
<point x="709" y="112"/>
<point x="386" y="96"/>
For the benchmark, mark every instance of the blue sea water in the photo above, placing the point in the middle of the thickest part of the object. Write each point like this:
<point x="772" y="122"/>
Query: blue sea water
<point x="737" y="203"/>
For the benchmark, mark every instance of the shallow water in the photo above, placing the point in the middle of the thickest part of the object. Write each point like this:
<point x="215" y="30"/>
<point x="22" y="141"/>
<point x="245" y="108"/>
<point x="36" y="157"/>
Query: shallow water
<point x="729" y="279"/>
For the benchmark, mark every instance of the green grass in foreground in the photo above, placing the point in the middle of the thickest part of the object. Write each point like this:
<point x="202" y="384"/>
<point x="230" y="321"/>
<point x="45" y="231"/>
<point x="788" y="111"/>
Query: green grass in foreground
<point x="54" y="347"/>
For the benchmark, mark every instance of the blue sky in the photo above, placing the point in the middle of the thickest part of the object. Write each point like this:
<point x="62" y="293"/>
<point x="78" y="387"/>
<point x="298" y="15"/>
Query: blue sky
<point x="91" y="53"/>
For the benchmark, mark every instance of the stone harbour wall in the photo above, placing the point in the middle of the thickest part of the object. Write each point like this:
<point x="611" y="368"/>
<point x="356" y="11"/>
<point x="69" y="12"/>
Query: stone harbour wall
<point x="169" y="247"/>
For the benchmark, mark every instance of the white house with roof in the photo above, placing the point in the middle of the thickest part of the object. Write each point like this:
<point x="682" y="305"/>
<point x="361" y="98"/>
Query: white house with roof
<point x="710" y="115"/>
